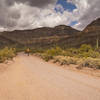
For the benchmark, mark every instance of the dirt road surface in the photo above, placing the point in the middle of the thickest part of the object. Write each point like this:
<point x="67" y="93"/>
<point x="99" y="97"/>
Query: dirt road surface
<point x="30" y="78"/>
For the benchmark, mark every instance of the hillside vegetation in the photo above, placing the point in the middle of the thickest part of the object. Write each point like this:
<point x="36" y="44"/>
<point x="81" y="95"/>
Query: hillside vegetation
<point x="85" y="56"/>
<point x="40" y="37"/>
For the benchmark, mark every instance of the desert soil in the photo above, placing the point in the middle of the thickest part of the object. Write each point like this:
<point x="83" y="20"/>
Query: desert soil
<point x="30" y="78"/>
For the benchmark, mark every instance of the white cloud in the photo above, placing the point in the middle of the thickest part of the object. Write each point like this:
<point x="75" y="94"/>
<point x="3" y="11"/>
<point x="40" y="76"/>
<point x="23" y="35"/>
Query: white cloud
<point x="87" y="11"/>
<point x="26" y="16"/>
<point x="33" y="17"/>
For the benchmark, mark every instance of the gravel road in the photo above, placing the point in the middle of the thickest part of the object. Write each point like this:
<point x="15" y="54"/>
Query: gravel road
<point x="30" y="78"/>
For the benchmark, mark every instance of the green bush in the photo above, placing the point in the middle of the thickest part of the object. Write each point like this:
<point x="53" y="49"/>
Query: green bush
<point x="46" y="57"/>
<point x="7" y="53"/>
<point x="83" y="51"/>
<point x="90" y="53"/>
<point x="85" y="48"/>
<point x="85" y="56"/>
<point x="54" y="51"/>
<point x="72" y="52"/>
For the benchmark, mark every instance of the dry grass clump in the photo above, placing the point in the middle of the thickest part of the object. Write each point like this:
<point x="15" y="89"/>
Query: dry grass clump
<point x="46" y="57"/>
<point x="64" y="60"/>
<point x="82" y="62"/>
<point x="91" y="63"/>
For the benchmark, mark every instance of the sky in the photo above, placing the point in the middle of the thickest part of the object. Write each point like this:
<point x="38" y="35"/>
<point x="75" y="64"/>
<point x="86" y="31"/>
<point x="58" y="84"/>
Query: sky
<point x="30" y="14"/>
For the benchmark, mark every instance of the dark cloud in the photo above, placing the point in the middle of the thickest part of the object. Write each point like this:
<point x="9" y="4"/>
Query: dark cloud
<point x="93" y="12"/>
<point x="36" y="3"/>
<point x="9" y="14"/>
<point x="22" y="14"/>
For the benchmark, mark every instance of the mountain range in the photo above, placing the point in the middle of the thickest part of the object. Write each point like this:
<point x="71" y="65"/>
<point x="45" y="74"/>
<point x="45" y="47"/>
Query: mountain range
<point x="61" y="35"/>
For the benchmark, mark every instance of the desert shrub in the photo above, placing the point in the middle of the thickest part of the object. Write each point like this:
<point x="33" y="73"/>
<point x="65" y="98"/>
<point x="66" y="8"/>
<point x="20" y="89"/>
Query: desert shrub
<point x="83" y="51"/>
<point x="90" y="53"/>
<point x="50" y="53"/>
<point x="85" y="56"/>
<point x="65" y="60"/>
<point x="97" y="49"/>
<point x="60" y="59"/>
<point x="72" y="60"/>
<point x="82" y="62"/>
<point x="54" y="51"/>
<point x="46" y="57"/>
<point x="7" y="53"/>
<point x="94" y="54"/>
<point x="91" y="63"/>
<point x="85" y="48"/>
<point x="72" y="52"/>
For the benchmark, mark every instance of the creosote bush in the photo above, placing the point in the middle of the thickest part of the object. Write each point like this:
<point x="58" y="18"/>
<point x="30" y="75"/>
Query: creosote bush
<point x="7" y="53"/>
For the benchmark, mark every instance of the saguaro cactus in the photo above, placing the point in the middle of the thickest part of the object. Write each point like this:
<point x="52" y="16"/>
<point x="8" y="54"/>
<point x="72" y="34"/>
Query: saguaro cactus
<point x="97" y="42"/>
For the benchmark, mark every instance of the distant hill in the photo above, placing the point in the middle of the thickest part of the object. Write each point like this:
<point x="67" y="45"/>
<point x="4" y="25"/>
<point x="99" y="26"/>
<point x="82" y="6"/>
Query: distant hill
<point x="90" y="33"/>
<point x="5" y="42"/>
<point x="61" y="35"/>
<point x="87" y="36"/>
<point x="41" y="36"/>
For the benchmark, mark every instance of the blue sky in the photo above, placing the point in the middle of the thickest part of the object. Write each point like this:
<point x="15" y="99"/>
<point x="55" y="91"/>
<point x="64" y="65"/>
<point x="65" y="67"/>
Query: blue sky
<point x="67" y="6"/>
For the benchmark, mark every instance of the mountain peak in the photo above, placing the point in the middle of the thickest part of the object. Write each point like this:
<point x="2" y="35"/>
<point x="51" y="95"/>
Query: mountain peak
<point x="63" y="27"/>
<point x="95" y="23"/>
<point x="93" y="26"/>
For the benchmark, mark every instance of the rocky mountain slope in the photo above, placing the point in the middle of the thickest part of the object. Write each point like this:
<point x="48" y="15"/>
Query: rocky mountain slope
<point x="90" y="34"/>
<point x="6" y="42"/>
<point x="60" y="35"/>
<point x="41" y="36"/>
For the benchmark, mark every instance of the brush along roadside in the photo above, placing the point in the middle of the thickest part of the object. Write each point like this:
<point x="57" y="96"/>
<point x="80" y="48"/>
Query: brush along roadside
<point x="7" y="54"/>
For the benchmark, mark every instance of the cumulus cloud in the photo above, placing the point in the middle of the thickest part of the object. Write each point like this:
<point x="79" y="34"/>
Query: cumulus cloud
<point x="29" y="14"/>
<point x="41" y="18"/>
<point x="88" y="11"/>
<point x="8" y="15"/>
<point x="16" y="13"/>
